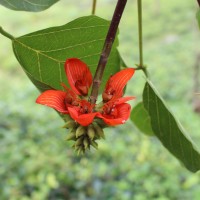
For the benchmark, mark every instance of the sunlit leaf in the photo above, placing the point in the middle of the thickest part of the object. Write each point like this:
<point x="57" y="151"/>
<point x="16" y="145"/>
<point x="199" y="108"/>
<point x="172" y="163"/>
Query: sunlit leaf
<point x="141" y="119"/>
<point x="28" y="5"/>
<point x="42" y="54"/>
<point x="168" y="129"/>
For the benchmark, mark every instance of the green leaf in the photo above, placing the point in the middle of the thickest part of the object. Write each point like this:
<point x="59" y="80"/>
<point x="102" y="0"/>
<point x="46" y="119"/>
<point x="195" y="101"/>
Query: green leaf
<point x="141" y="119"/>
<point x="42" y="54"/>
<point x="40" y="86"/>
<point x="28" y="5"/>
<point x="198" y="17"/>
<point x="168" y="129"/>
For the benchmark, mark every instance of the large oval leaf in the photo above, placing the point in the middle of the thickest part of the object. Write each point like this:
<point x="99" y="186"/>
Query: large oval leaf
<point x="168" y="129"/>
<point x="42" y="54"/>
<point x="28" y="5"/>
<point x="141" y="119"/>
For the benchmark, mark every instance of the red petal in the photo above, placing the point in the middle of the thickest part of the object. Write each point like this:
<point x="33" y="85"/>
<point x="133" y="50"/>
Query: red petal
<point x="123" y="100"/>
<point x="124" y="111"/>
<point x="123" y="114"/>
<point x="71" y="95"/>
<point x="54" y="99"/>
<point x="117" y="82"/>
<point x="78" y="75"/>
<point x="82" y="119"/>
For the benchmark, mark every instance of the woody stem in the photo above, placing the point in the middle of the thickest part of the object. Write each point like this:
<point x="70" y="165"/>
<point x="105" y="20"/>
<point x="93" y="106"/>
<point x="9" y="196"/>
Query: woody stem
<point x="198" y="2"/>
<point x="106" y="49"/>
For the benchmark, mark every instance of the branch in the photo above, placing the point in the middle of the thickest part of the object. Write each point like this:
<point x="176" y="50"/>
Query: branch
<point x="198" y="2"/>
<point x="106" y="49"/>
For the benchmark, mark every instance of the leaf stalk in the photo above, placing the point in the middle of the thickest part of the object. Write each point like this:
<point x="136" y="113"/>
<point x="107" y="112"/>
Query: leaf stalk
<point x="6" y="34"/>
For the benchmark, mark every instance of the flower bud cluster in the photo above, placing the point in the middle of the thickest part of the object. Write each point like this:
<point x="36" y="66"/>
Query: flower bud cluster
<point x="84" y="136"/>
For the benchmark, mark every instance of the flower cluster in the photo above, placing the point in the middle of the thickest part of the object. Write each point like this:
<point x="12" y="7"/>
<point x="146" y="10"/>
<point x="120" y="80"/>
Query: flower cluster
<point x="113" y="110"/>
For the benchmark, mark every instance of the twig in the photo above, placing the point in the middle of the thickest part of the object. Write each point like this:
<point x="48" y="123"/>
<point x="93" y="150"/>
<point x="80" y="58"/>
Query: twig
<point x="106" y="49"/>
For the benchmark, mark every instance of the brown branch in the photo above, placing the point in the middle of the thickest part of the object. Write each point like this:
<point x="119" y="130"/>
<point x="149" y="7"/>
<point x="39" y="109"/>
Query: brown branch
<point x="106" y="49"/>
<point x="198" y="2"/>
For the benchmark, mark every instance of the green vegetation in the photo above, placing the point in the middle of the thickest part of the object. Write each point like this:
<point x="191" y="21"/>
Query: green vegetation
<point x="36" y="162"/>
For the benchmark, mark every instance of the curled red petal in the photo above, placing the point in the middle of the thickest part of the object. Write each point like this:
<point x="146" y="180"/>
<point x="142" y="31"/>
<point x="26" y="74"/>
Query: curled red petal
<point x="54" y="99"/>
<point x="123" y="99"/>
<point x="71" y="97"/>
<point x="111" y="121"/>
<point x="82" y="119"/>
<point x="124" y="110"/>
<point x="116" y="83"/>
<point x="123" y="113"/>
<point x="78" y="75"/>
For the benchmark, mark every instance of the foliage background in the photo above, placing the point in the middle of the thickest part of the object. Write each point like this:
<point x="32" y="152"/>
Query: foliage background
<point x="35" y="161"/>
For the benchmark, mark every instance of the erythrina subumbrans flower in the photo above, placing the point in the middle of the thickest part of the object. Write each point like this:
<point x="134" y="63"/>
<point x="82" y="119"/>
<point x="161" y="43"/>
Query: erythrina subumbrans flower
<point x="87" y="120"/>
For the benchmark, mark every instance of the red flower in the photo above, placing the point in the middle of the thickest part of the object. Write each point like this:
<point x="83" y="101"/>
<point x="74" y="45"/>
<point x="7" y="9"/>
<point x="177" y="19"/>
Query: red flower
<point x="78" y="75"/>
<point x="83" y="114"/>
<point x="59" y="100"/>
<point x="116" y="83"/>
<point x="116" y="112"/>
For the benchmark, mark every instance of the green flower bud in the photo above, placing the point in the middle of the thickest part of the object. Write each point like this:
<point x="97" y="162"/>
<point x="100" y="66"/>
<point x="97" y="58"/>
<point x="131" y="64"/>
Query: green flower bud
<point x="80" y="131"/>
<point x="71" y="135"/>
<point x="70" y="124"/>
<point x="80" y="150"/>
<point x="66" y="117"/>
<point x="94" y="144"/>
<point x="86" y="142"/>
<point x="99" y="130"/>
<point x="79" y="141"/>
<point x="90" y="132"/>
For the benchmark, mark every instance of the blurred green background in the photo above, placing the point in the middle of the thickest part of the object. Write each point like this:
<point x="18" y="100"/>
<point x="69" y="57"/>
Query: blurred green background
<point x="35" y="160"/>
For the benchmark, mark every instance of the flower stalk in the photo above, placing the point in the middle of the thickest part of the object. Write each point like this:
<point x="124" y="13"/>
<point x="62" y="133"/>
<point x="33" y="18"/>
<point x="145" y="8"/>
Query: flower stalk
<point x="94" y="7"/>
<point x="107" y="49"/>
<point x="140" y="35"/>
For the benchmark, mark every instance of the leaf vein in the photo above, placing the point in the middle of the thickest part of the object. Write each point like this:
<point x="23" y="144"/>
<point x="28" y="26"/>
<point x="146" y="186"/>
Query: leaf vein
<point x="73" y="46"/>
<point x="12" y="5"/>
<point x="158" y="115"/>
<point x="68" y="29"/>
<point x="35" y="4"/>
<point x="39" y="66"/>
